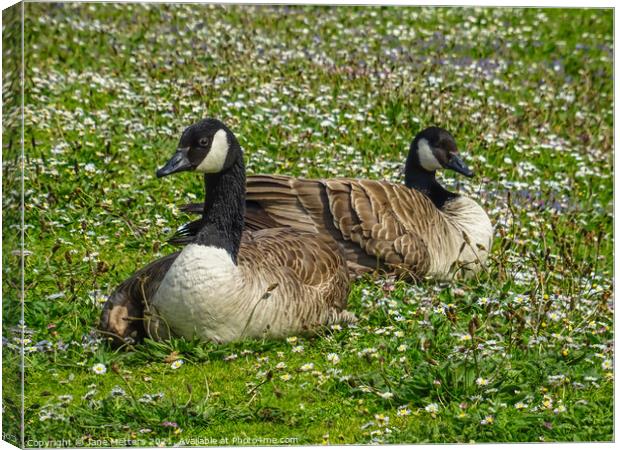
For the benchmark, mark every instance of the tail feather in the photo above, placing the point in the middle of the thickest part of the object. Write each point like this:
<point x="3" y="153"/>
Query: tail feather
<point x="186" y="233"/>
<point x="123" y="314"/>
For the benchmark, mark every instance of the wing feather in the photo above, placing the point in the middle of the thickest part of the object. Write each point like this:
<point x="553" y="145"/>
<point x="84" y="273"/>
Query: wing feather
<point x="123" y="311"/>
<point x="292" y="256"/>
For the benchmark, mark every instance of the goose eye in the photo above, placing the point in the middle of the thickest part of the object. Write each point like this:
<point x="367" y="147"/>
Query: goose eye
<point x="204" y="141"/>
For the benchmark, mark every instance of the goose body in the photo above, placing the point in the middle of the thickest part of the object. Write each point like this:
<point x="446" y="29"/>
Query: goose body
<point x="417" y="227"/>
<point x="223" y="285"/>
<point x="221" y="301"/>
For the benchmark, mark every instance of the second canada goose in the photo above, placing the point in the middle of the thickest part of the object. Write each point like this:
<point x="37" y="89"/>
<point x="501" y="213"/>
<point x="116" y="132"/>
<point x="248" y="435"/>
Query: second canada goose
<point x="419" y="227"/>
<point x="222" y="286"/>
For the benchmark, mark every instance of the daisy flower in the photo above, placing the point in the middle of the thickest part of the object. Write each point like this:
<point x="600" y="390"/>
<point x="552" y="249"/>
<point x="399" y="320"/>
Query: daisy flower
<point x="432" y="408"/>
<point x="403" y="411"/>
<point x="333" y="358"/>
<point x="482" y="381"/>
<point x="176" y="364"/>
<point x="607" y="364"/>
<point x="99" y="369"/>
<point x="488" y="420"/>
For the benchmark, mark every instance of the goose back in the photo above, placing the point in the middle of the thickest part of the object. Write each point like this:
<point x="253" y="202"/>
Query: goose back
<point x="377" y="223"/>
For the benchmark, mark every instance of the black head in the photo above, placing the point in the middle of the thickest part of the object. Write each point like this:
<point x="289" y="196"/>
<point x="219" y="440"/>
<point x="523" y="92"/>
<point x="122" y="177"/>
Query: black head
<point x="207" y="147"/>
<point x="433" y="149"/>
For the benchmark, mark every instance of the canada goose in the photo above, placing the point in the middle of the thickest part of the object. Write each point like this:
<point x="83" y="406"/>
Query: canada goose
<point x="419" y="227"/>
<point x="222" y="287"/>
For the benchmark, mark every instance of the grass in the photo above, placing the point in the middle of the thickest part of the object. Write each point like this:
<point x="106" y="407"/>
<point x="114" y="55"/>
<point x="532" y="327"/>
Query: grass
<point x="521" y="353"/>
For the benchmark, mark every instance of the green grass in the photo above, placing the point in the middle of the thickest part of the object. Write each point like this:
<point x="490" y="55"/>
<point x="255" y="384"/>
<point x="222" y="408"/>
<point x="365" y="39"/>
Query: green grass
<point x="521" y="353"/>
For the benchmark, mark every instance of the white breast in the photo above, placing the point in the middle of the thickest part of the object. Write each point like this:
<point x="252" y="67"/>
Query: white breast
<point x="197" y="297"/>
<point x="463" y="217"/>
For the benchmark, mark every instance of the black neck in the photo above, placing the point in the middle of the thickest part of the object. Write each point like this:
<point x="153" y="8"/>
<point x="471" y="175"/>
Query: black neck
<point x="224" y="209"/>
<point x="424" y="181"/>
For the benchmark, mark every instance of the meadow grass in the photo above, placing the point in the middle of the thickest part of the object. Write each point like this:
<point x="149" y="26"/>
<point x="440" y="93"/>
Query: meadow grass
<point x="522" y="352"/>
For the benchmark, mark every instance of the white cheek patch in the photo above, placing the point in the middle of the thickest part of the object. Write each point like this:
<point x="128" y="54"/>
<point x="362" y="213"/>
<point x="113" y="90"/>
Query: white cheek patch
<point x="214" y="161"/>
<point x="427" y="159"/>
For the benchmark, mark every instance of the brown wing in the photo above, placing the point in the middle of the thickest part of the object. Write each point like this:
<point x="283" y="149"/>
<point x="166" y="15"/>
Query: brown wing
<point x="374" y="221"/>
<point x="122" y="314"/>
<point x="313" y="260"/>
<point x="378" y="226"/>
<point x="278" y="198"/>
<point x="304" y="205"/>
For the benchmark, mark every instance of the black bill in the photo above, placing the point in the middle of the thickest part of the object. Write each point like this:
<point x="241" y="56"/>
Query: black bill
<point x="178" y="163"/>
<point x="455" y="163"/>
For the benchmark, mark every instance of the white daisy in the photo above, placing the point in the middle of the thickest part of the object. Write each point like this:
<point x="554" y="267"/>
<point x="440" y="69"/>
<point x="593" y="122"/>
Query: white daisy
<point x="99" y="369"/>
<point x="333" y="358"/>
<point x="176" y="364"/>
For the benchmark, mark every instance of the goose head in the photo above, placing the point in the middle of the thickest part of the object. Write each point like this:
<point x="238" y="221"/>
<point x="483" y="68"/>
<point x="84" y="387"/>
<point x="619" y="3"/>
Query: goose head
<point x="207" y="147"/>
<point x="434" y="149"/>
